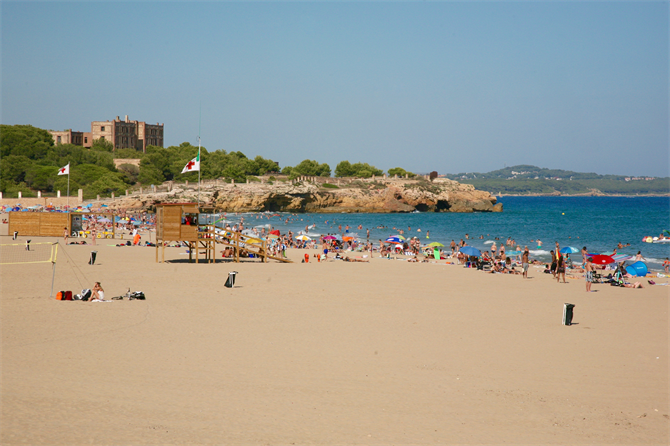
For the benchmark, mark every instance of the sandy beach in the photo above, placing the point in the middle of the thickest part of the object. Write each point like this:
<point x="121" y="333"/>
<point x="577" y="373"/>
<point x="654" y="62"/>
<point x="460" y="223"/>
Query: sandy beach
<point x="386" y="352"/>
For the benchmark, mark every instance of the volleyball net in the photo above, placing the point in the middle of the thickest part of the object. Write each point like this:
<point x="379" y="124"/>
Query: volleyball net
<point x="20" y="253"/>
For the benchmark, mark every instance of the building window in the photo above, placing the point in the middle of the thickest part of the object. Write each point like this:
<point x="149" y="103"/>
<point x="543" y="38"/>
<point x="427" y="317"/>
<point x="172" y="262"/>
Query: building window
<point x="86" y="140"/>
<point x="58" y="137"/>
<point x="102" y="128"/>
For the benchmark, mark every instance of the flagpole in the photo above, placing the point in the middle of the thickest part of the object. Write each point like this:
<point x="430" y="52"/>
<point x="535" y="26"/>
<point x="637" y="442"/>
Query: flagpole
<point x="199" y="160"/>
<point x="68" y="187"/>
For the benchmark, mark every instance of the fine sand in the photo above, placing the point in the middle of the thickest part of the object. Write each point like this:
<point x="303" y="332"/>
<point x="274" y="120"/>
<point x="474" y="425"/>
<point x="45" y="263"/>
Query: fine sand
<point x="325" y="353"/>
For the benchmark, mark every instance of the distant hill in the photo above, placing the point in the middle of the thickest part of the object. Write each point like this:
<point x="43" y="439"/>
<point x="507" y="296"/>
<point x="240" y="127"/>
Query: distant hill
<point x="528" y="180"/>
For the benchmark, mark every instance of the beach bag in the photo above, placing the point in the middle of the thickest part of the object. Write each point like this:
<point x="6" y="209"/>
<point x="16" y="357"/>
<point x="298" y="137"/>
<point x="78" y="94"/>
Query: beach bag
<point x="85" y="294"/>
<point x="139" y="295"/>
<point x="64" y="295"/>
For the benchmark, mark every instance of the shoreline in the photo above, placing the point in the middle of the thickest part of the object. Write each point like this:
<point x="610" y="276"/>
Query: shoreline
<point x="584" y="195"/>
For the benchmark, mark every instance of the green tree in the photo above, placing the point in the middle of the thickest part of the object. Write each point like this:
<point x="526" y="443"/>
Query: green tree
<point x="41" y="177"/>
<point x="25" y="140"/>
<point x="400" y="172"/>
<point x="360" y="170"/>
<point x="150" y="174"/>
<point x="127" y="154"/>
<point x="344" y="169"/>
<point x="102" y="145"/>
<point x="311" y="168"/>
<point x="105" y="185"/>
<point x="130" y="171"/>
<point x="14" y="167"/>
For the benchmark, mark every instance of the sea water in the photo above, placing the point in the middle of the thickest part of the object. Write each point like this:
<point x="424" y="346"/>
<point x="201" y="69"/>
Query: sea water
<point x="599" y="223"/>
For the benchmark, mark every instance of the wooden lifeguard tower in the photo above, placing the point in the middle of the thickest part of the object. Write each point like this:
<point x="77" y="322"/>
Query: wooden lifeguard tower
<point x="179" y="222"/>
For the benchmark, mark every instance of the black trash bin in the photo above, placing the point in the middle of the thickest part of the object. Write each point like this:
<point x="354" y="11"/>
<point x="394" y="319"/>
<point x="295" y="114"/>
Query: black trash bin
<point x="16" y="234"/>
<point x="567" y="313"/>
<point x="231" y="279"/>
<point x="94" y="254"/>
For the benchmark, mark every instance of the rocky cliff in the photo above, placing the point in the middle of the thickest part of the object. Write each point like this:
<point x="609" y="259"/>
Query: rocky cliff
<point x="375" y="196"/>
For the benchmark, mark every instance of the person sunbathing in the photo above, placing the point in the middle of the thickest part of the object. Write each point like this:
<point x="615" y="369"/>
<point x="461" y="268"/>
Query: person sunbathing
<point x="347" y="259"/>
<point x="633" y="285"/>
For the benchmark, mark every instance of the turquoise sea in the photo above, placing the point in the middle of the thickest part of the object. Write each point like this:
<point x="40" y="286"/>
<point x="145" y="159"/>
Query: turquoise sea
<point x="598" y="223"/>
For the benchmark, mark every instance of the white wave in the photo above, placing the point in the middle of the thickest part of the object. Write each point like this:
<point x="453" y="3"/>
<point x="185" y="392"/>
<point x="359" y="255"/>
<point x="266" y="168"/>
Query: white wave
<point x="539" y="252"/>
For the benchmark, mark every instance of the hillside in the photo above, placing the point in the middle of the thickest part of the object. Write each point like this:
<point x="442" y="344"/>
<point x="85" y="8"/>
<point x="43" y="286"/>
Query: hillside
<point x="530" y="180"/>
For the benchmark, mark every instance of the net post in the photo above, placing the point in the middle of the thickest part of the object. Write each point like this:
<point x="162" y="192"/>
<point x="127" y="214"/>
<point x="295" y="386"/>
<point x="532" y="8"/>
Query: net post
<point x="54" y="254"/>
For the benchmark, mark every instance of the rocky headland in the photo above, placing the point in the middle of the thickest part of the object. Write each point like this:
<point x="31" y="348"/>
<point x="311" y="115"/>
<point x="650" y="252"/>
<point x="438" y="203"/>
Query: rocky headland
<point x="316" y="195"/>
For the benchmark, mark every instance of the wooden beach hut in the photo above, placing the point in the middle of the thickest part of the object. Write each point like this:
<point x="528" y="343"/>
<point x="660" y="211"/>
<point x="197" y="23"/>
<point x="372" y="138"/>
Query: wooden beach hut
<point x="52" y="224"/>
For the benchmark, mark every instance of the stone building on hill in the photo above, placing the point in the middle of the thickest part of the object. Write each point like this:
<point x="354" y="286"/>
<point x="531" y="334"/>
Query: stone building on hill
<point x="68" y="137"/>
<point x="123" y="134"/>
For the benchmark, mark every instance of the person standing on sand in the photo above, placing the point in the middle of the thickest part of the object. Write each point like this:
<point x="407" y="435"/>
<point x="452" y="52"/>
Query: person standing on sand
<point x="65" y="235"/>
<point x="524" y="262"/>
<point x="588" y="274"/>
<point x="560" y="267"/>
<point x="453" y="247"/>
<point x="493" y="250"/>
<point x="553" y="264"/>
<point x="94" y="234"/>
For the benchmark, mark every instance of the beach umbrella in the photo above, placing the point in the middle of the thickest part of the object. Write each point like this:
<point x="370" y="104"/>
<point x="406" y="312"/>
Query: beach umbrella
<point x="395" y="239"/>
<point x="470" y="251"/>
<point x="105" y="220"/>
<point x="304" y="238"/>
<point x="637" y="269"/>
<point x="330" y="237"/>
<point x="433" y="244"/>
<point x="275" y="232"/>
<point x="514" y="253"/>
<point x="621" y="257"/>
<point x="347" y="238"/>
<point x="568" y="250"/>
<point x="602" y="260"/>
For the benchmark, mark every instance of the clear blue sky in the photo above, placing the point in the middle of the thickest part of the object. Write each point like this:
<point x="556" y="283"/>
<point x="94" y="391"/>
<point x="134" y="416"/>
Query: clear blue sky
<point x="446" y="86"/>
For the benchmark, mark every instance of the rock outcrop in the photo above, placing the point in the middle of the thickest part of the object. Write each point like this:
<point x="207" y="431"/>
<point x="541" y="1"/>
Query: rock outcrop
<point x="374" y="196"/>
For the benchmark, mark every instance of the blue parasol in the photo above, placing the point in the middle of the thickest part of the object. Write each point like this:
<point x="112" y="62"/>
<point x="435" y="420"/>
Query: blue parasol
<point x="568" y="250"/>
<point x="470" y="251"/>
